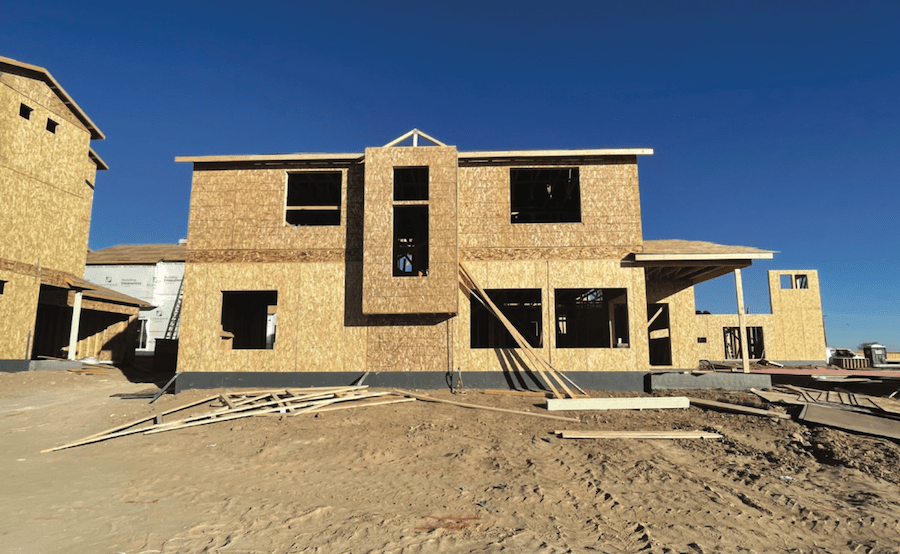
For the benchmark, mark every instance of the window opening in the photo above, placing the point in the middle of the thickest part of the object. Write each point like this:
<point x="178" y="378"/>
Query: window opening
<point x="248" y="319"/>
<point x="2" y="286"/>
<point x="314" y="198"/>
<point x="756" y="344"/>
<point x="545" y="195"/>
<point x="52" y="125"/>
<point x="410" y="183"/>
<point x="659" y="334"/>
<point x="522" y="307"/>
<point x="591" y="318"/>
<point x="410" y="241"/>
<point x="701" y="340"/>
<point x="142" y="334"/>
<point x="25" y="111"/>
<point x="801" y="282"/>
<point x="786" y="282"/>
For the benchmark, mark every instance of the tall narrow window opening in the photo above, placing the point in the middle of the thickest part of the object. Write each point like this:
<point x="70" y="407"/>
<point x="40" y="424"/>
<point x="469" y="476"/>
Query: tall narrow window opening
<point x="410" y="183"/>
<point x="591" y="318"/>
<point x="410" y="241"/>
<point x="545" y="195"/>
<point x="248" y="316"/>
<point x="314" y="198"/>
<point x="522" y="307"/>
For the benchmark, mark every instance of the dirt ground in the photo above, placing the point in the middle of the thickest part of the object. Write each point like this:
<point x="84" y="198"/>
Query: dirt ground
<point x="425" y="477"/>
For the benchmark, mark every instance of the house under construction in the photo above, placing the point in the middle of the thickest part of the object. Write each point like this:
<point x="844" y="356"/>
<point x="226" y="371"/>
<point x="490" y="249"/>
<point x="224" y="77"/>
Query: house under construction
<point x="47" y="173"/>
<point x="305" y="267"/>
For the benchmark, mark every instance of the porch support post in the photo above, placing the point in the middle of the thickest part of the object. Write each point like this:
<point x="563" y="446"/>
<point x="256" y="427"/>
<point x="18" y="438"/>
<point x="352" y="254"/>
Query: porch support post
<point x="742" y="323"/>
<point x="76" y="319"/>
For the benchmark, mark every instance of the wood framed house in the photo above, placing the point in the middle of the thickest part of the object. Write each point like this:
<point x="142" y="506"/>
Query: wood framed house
<point x="312" y="268"/>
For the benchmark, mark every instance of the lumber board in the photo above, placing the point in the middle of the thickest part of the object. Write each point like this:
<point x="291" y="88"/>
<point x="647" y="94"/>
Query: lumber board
<point x="781" y="397"/>
<point x="229" y="417"/>
<point x="633" y="403"/>
<point x="638" y="435"/>
<point x="489" y="408"/>
<point x="737" y="408"/>
<point x="851" y="421"/>
<point x="528" y="393"/>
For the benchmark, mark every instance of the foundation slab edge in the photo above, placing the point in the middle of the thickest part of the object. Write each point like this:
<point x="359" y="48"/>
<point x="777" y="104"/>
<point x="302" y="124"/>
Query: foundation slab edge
<point x="724" y="381"/>
<point x="626" y="381"/>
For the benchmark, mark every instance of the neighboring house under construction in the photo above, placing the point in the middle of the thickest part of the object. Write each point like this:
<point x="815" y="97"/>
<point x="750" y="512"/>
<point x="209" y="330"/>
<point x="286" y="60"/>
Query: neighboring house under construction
<point x="151" y="272"/>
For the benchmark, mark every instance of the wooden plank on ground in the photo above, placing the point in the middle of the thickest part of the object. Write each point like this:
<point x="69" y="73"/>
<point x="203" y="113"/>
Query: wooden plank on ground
<point x="638" y="435"/>
<point x="736" y="408"/>
<point x="784" y="398"/>
<point x="633" y="403"/>
<point x="489" y="408"/>
<point x="518" y="393"/>
<point x="851" y="421"/>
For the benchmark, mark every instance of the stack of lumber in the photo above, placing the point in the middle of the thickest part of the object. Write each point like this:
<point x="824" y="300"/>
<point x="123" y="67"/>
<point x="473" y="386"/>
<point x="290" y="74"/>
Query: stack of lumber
<point x="286" y="402"/>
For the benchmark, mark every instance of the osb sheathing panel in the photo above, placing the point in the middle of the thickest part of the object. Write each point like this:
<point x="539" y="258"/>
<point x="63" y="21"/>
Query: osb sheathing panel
<point x="310" y="336"/>
<point x="38" y="92"/>
<point x="107" y="336"/>
<point x="610" y="212"/>
<point x="682" y="322"/>
<point x="435" y="293"/>
<point x="47" y="208"/>
<point x="408" y="343"/>
<point x="549" y="276"/>
<point x="712" y="326"/>
<point x="18" y="309"/>
<point x="798" y="317"/>
<point x="244" y="209"/>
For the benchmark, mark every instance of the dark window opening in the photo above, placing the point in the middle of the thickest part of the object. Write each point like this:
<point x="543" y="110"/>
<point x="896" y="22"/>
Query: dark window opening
<point x="2" y="286"/>
<point x="141" y="334"/>
<point x="801" y="282"/>
<point x="659" y="334"/>
<point x="591" y="318"/>
<point x="522" y="307"/>
<point x="410" y="241"/>
<point x="411" y="183"/>
<point x="786" y="281"/>
<point x="248" y="319"/>
<point x="701" y="340"/>
<point x="756" y="345"/>
<point x="545" y="196"/>
<point x="25" y="111"/>
<point x="314" y="198"/>
<point x="52" y="125"/>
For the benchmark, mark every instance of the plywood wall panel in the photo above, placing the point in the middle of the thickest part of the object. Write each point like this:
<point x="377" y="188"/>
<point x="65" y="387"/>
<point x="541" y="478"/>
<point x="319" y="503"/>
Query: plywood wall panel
<point x="18" y="309"/>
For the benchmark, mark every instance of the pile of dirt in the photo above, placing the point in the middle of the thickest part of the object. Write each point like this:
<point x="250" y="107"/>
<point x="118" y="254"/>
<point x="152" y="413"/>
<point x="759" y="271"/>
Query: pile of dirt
<point x="426" y="477"/>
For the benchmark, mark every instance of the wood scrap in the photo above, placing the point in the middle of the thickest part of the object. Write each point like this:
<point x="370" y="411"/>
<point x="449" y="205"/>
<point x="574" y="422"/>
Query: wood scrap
<point x="633" y="403"/>
<point x="637" y="435"/>
<point x="489" y="408"/>
<point x="851" y="421"/>
<point x="528" y="393"/>
<point x="737" y="408"/>
<point x="779" y="397"/>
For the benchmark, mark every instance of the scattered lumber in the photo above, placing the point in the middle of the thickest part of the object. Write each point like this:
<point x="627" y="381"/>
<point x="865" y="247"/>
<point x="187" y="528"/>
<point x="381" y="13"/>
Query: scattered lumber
<point x="478" y="407"/>
<point x="240" y="405"/>
<point x="537" y="363"/>
<point x="737" y="408"/>
<point x="528" y="393"/>
<point x="637" y="435"/>
<point x="851" y="421"/>
<point x="779" y="397"/>
<point x="635" y="403"/>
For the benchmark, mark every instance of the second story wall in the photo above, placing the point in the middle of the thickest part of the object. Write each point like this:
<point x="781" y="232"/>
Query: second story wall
<point x="492" y="225"/>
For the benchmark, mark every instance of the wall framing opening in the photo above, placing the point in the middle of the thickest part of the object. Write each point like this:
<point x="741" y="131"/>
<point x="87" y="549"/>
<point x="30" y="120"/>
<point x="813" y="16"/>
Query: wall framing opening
<point x="410" y="255"/>
<point x="591" y="318"/>
<point x="545" y="195"/>
<point x="313" y="198"/>
<point x="248" y="319"/>
<point x="522" y="307"/>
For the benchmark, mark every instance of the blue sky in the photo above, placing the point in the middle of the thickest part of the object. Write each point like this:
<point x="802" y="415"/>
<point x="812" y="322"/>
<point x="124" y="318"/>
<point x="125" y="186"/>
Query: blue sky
<point x="774" y="124"/>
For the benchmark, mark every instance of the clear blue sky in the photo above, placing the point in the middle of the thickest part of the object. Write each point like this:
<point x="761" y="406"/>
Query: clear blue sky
<point x="775" y="124"/>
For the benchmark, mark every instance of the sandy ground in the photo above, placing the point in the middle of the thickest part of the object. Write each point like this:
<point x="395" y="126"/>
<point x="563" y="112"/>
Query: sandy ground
<point x="424" y="477"/>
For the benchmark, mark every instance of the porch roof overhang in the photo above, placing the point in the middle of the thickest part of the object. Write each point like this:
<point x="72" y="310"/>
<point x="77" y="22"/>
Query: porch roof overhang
<point x="693" y="262"/>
